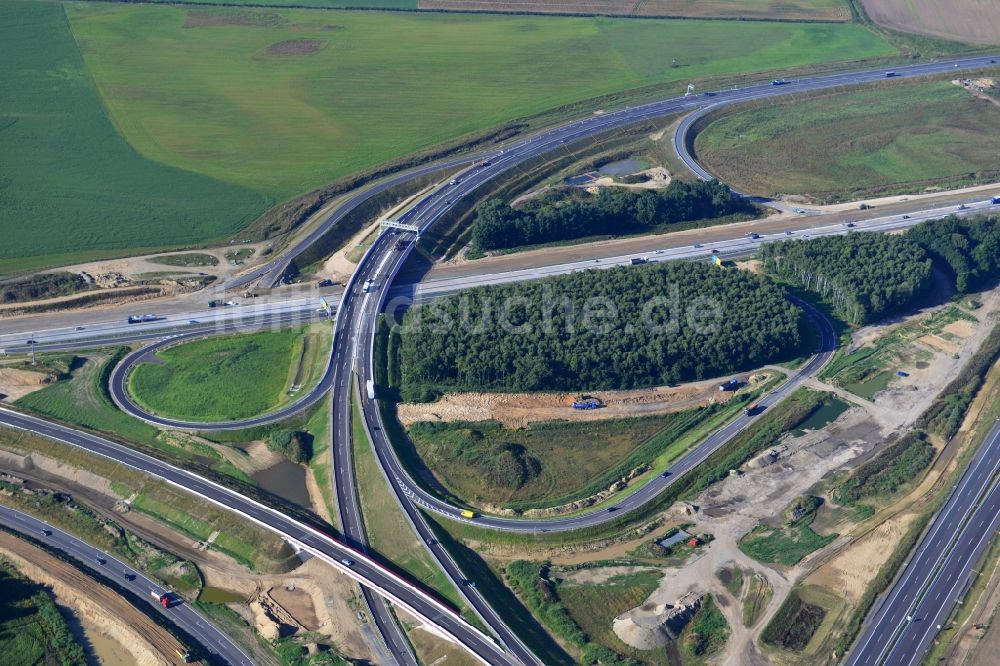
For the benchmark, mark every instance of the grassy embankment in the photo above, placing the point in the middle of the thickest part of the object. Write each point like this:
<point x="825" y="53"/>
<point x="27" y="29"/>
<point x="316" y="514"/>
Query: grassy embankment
<point x="389" y="533"/>
<point x="904" y="137"/>
<point x="232" y="377"/>
<point x="105" y="534"/>
<point x="33" y="632"/>
<point x="74" y="189"/>
<point x="755" y="600"/>
<point x="770" y="426"/>
<point x="246" y="543"/>
<point x="80" y="397"/>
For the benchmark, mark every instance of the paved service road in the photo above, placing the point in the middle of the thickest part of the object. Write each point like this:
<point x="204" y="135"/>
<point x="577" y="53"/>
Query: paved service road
<point x="941" y="569"/>
<point x="216" y="644"/>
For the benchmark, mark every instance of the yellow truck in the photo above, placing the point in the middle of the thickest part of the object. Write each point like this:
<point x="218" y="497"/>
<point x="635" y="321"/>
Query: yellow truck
<point x="468" y="514"/>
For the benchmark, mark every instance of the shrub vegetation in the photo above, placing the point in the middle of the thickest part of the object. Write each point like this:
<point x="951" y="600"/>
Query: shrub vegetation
<point x="900" y="463"/>
<point x="794" y="624"/>
<point x="32" y="630"/>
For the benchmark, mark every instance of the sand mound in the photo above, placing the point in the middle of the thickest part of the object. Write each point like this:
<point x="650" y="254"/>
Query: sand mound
<point x="652" y="626"/>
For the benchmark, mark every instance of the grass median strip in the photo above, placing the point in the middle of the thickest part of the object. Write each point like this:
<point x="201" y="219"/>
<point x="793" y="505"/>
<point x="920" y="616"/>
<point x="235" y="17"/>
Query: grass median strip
<point x="389" y="534"/>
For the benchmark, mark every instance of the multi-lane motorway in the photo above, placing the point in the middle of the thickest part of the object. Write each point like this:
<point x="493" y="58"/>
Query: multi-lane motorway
<point x="355" y="564"/>
<point x="354" y="332"/>
<point x="218" y="646"/>
<point x="940" y="570"/>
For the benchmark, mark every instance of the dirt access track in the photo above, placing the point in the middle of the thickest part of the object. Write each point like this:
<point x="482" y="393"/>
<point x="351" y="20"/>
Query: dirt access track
<point x="517" y="410"/>
<point x="976" y="21"/>
<point x="822" y="10"/>
<point x="97" y="606"/>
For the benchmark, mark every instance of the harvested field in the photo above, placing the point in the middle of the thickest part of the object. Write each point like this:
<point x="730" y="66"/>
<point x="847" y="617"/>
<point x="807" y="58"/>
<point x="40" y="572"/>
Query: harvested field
<point x="964" y="20"/>
<point x="205" y="18"/>
<point x="517" y="410"/>
<point x="797" y="10"/>
<point x="296" y="47"/>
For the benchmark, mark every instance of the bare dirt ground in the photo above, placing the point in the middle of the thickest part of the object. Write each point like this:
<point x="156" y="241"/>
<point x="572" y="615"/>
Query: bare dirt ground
<point x="946" y="354"/>
<point x="973" y="21"/>
<point x="96" y="605"/>
<point x="16" y="383"/>
<point x="308" y="599"/>
<point x="734" y="506"/>
<point x="659" y="178"/>
<point x="979" y="87"/>
<point x="516" y="410"/>
<point x="789" y="10"/>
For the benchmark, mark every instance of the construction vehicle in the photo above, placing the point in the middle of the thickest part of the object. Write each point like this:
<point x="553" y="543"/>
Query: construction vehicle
<point x="184" y="655"/>
<point x="731" y="385"/>
<point x="468" y="514"/>
<point x="162" y="597"/>
<point x="587" y="402"/>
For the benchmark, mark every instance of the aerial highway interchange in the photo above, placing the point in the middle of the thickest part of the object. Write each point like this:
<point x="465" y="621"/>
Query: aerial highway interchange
<point x="899" y="631"/>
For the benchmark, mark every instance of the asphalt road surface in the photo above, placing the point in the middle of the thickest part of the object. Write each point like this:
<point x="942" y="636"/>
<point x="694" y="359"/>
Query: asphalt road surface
<point x="941" y="569"/>
<point x="349" y="561"/>
<point x="383" y="261"/>
<point x="216" y="644"/>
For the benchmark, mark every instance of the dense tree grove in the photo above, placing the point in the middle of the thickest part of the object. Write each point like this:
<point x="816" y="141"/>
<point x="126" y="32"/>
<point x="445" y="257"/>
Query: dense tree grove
<point x="969" y="248"/>
<point x="864" y="276"/>
<point x="613" y="210"/>
<point x="612" y="329"/>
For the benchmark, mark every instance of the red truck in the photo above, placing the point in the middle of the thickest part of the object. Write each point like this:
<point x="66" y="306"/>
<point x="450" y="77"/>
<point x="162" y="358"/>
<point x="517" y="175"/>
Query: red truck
<point x="162" y="597"/>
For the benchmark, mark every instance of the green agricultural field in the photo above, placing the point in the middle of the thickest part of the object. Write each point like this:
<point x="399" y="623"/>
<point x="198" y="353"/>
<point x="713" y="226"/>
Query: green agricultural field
<point x="71" y="188"/>
<point x="233" y="376"/>
<point x="283" y="101"/>
<point x="898" y="137"/>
